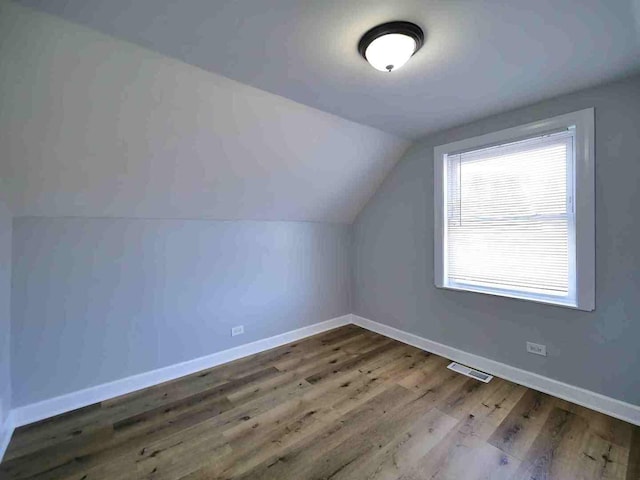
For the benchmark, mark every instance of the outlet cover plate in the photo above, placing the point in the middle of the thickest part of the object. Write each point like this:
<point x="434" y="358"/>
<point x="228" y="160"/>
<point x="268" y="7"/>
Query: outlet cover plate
<point x="537" y="349"/>
<point x="239" y="330"/>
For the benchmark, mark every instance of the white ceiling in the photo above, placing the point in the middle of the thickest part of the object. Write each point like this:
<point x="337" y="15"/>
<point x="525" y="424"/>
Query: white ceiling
<point x="93" y="126"/>
<point x="480" y="57"/>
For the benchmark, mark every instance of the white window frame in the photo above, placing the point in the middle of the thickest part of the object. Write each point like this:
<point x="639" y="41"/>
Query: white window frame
<point x="583" y="197"/>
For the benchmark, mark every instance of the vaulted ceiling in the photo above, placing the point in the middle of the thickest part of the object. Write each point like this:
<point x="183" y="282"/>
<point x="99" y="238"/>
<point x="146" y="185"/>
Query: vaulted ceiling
<point x="251" y="109"/>
<point x="92" y="126"/>
<point x="480" y="56"/>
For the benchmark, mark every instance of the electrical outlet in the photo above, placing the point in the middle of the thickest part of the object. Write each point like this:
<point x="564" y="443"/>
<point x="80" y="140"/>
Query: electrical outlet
<point x="537" y="349"/>
<point x="239" y="330"/>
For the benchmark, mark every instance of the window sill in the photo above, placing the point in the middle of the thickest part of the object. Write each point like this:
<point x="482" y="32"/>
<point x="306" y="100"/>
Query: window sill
<point x="547" y="300"/>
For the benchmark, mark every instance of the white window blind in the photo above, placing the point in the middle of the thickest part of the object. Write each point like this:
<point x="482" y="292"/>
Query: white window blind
<point x="510" y="224"/>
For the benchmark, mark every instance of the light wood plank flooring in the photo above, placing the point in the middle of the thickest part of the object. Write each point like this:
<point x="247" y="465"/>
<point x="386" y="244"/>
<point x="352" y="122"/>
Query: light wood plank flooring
<point x="345" y="404"/>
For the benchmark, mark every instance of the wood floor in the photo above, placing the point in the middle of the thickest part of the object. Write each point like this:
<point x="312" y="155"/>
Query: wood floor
<point x="345" y="404"/>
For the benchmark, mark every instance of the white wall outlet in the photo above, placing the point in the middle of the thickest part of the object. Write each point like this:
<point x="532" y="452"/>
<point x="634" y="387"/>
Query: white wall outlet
<point x="537" y="349"/>
<point x="239" y="330"/>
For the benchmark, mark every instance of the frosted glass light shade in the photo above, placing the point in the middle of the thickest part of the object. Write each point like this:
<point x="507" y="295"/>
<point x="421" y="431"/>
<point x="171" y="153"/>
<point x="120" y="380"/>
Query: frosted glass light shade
<point x="390" y="52"/>
<point x="389" y="46"/>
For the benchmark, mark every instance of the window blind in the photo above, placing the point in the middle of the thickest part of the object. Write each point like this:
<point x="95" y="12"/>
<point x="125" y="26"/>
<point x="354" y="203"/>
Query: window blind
<point x="510" y="223"/>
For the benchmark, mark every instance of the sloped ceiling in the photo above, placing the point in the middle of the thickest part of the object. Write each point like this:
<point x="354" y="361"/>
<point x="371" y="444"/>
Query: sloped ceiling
<point x="480" y="57"/>
<point x="95" y="126"/>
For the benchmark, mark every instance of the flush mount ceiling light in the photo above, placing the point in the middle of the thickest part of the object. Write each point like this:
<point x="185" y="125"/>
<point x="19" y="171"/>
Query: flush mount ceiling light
<point x="389" y="46"/>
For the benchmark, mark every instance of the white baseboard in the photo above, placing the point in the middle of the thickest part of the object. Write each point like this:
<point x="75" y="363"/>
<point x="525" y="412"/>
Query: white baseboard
<point x="98" y="393"/>
<point x="6" y="430"/>
<point x="54" y="406"/>
<point x="595" y="401"/>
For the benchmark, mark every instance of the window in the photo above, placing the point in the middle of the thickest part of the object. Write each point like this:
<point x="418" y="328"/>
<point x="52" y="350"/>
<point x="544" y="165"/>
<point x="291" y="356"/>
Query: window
<point x="514" y="212"/>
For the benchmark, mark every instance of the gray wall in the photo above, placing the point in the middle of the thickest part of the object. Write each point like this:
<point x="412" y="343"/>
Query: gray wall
<point x="95" y="300"/>
<point x="5" y="309"/>
<point x="393" y="264"/>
